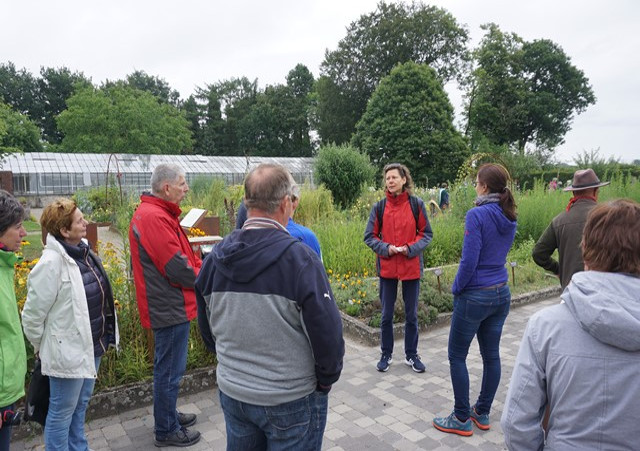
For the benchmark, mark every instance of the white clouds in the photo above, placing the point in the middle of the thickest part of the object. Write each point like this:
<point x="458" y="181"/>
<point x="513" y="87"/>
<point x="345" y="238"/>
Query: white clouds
<point x="196" y="42"/>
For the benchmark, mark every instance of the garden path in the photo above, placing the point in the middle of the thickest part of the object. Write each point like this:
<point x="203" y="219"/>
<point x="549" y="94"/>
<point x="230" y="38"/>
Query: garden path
<point x="367" y="409"/>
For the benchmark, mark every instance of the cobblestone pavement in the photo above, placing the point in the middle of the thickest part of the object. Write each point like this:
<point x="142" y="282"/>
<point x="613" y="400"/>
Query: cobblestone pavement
<point x="368" y="410"/>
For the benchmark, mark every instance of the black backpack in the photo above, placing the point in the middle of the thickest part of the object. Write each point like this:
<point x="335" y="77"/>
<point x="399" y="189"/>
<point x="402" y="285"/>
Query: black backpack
<point x="415" y="208"/>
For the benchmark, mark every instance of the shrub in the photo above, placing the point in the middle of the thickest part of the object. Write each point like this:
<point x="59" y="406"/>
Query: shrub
<point x="344" y="171"/>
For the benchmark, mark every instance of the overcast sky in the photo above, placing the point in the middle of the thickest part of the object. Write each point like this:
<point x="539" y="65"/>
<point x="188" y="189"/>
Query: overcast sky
<point x="194" y="43"/>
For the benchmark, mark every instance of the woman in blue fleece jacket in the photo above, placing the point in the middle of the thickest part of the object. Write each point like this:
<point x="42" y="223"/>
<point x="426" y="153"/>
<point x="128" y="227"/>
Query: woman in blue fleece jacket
<point x="481" y="298"/>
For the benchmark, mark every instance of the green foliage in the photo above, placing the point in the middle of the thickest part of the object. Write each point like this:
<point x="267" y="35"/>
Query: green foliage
<point x="409" y="119"/>
<point x="344" y="171"/>
<point x="121" y="119"/>
<point x="524" y="92"/>
<point x="315" y="205"/>
<point x="342" y="244"/>
<point x="394" y="33"/>
<point x="98" y="204"/>
<point x="17" y="132"/>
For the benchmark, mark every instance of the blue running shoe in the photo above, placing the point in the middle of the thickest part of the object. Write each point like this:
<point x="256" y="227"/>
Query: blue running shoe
<point x="385" y="361"/>
<point x="482" y="421"/>
<point x="452" y="425"/>
<point x="415" y="363"/>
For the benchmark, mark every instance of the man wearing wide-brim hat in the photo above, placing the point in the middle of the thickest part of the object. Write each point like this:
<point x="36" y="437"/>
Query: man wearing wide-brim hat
<point x="565" y="231"/>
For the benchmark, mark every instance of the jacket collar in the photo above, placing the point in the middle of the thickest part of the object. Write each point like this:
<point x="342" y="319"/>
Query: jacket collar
<point x="172" y="208"/>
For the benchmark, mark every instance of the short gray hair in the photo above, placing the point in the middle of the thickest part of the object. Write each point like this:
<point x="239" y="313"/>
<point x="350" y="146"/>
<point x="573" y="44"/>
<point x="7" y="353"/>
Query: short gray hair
<point x="11" y="211"/>
<point x="266" y="185"/>
<point x="165" y="172"/>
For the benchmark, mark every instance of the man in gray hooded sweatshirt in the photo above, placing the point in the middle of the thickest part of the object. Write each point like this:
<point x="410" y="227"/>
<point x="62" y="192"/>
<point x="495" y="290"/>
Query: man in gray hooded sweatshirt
<point x="581" y="358"/>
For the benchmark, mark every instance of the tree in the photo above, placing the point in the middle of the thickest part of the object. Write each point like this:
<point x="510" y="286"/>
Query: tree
<point x="17" y="132"/>
<point x="121" y="119"/>
<point x="409" y="119"/>
<point x="344" y="171"/>
<point x="524" y="92"/>
<point x="375" y="43"/>
<point x="157" y="86"/>
<point x="55" y="86"/>
<point x="18" y="88"/>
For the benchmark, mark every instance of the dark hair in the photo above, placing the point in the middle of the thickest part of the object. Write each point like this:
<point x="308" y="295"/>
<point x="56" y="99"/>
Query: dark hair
<point x="266" y="185"/>
<point x="58" y="215"/>
<point x="11" y="211"/>
<point x="404" y="172"/>
<point x="496" y="177"/>
<point x="611" y="237"/>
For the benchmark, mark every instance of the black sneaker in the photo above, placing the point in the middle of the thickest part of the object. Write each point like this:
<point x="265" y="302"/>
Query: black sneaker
<point x="415" y="363"/>
<point x="385" y="361"/>
<point x="187" y="419"/>
<point x="182" y="437"/>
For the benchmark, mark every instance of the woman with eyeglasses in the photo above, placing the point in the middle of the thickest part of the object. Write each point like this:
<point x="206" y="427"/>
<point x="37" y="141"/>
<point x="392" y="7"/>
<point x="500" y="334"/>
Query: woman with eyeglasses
<point x="398" y="231"/>
<point x="481" y="298"/>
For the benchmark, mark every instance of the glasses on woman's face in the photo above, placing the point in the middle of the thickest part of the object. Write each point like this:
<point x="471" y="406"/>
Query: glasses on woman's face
<point x="474" y="183"/>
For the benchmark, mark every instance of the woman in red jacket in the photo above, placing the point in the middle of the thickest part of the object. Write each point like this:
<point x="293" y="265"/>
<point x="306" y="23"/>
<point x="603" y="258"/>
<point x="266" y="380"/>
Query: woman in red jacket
<point x="398" y="231"/>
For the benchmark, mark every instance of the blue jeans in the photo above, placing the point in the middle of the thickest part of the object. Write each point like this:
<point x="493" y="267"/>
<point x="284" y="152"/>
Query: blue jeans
<point x="68" y="401"/>
<point x="388" y="295"/>
<point x="5" y="429"/>
<point x="169" y="365"/>
<point x="482" y="313"/>
<point x="295" y="425"/>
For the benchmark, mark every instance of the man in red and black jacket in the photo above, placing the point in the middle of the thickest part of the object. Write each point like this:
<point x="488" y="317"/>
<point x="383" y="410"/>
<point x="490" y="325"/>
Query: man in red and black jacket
<point x="164" y="272"/>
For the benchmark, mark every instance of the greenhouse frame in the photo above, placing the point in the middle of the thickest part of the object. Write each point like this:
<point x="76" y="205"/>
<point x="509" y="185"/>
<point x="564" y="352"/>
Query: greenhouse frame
<point x="43" y="174"/>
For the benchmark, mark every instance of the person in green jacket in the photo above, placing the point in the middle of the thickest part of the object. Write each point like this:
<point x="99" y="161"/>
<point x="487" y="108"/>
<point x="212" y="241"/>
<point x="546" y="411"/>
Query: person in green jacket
<point x="13" y="355"/>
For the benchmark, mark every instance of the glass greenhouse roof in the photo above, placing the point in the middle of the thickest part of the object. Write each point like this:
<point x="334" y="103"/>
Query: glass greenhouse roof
<point x="69" y="163"/>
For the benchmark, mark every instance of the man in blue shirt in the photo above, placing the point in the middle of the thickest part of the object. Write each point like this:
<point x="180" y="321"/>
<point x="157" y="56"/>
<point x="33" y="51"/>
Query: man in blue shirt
<point x="299" y="231"/>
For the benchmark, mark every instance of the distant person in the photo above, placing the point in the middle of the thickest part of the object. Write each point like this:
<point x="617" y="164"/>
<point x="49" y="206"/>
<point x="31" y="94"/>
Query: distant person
<point x="481" y="298"/>
<point x="299" y="231"/>
<point x="443" y="196"/>
<point x="13" y="358"/>
<point x="164" y="272"/>
<point x="70" y="319"/>
<point x="398" y="231"/>
<point x="581" y="358"/>
<point x="553" y="184"/>
<point x="266" y="308"/>
<point x="565" y="231"/>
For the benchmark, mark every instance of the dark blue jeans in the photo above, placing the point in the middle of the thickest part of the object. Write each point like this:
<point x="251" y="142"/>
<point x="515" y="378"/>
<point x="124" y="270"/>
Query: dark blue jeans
<point x="169" y="365"/>
<point x="480" y="313"/>
<point x="295" y="425"/>
<point x="388" y="295"/>
<point x="5" y="429"/>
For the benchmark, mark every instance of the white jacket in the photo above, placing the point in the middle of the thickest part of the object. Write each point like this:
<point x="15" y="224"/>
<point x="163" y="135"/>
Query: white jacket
<point x="55" y="317"/>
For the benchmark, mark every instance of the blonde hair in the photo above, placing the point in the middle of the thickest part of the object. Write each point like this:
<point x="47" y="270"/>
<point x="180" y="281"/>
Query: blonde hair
<point x="58" y="215"/>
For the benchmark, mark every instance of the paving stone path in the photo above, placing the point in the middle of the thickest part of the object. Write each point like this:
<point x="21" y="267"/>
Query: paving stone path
<point x="368" y="410"/>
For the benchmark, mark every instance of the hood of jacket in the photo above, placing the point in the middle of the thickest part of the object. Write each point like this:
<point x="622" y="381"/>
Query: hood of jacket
<point x="607" y="306"/>
<point x="244" y="254"/>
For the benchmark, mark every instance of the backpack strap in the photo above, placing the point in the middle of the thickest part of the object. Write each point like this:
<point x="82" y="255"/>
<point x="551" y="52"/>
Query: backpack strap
<point x="380" y="213"/>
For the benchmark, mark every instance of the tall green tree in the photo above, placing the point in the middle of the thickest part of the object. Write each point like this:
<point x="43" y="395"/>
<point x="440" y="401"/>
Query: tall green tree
<point x="154" y="85"/>
<point x="375" y="43"/>
<point x="17" y="132"/>
<point x="409" y="119"/>
<point x="18" y="88"/>
<point x="121" y="119"/>
<point x="524" y="92"/>
<point x="55" y="86"/>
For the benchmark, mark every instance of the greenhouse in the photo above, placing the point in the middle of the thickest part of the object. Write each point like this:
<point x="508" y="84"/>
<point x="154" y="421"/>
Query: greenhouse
<point x="54" y="174"/>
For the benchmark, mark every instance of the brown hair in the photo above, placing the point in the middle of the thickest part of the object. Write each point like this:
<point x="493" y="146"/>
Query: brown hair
<point x="611" y="237"/>
<point x="11" y="211"/>
<point x="404" y="172"/>
<point x="496" y="177"/>
<point x="58" y="215"/>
